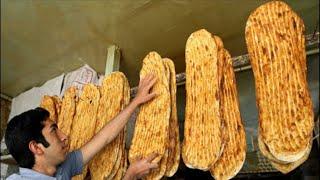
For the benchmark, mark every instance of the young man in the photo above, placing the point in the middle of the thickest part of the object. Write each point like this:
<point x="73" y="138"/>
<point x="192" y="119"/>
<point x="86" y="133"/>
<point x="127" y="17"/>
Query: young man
<point x="40" y="148"/>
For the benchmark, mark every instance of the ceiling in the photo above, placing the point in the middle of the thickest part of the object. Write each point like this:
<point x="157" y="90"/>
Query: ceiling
<point x="42" y="39"/>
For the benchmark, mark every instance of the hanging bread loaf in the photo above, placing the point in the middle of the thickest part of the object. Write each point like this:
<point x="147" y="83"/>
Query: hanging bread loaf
<point x="234" y="152"/>
<point x="119" y="171"/>
<point x="124" y="158"/>
<point x="202" y="133"/>
<point x="49" y="103"/>
<point x="174" y="141"/>
<point x="221" y="69"/>
<point x="120" y="166"/>
<point x="84" y="121"/>
<point x="275" y="41"/>
<point x="68" y="109"/>
<point x="152" y="123"/>
<point x="159" y="172"/>
<point x="110" y="105"/>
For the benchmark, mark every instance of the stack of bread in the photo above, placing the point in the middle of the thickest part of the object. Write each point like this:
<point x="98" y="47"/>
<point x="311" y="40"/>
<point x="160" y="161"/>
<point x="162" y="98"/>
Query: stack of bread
<point x="84" y="121"/>
<point x="115" y="96"/>
<point x="214" y="136"/>
<point x="81" y="117"/>
<point x="276" y="46"/>
<point x="156" y="129"/>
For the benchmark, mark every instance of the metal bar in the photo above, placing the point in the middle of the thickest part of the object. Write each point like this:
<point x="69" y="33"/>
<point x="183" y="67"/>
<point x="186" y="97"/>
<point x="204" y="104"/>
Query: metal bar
<point x="313" y="51"/>
<point x="8" y="98"/>
<point x="312" y="39"/>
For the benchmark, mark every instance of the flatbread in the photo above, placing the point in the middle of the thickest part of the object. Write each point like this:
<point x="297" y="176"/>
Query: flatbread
<point x="174" y="140"/>
<point x="68" y="110"/>
<point x="151" y="129"/>
<point x="112" y="98"/>
<point x="202" y="134"/>
<point x="234" y="152"/>
<point x="275" y="41"/>
<point x="84" y="121"/>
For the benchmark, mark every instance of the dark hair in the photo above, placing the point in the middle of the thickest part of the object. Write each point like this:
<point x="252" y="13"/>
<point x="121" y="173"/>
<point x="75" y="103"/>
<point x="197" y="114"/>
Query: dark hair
<point x="21" y="130"/>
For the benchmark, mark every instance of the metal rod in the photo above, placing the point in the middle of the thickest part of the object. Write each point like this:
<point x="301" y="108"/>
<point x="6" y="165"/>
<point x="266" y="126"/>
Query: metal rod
<point x="8" y="98"/>
<point x="313" y="51"/>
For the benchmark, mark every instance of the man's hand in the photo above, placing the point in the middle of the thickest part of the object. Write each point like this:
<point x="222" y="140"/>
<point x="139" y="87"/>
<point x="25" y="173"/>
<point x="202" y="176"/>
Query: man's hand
<point x="143" y="95"/>
<point x="141" y="168"/>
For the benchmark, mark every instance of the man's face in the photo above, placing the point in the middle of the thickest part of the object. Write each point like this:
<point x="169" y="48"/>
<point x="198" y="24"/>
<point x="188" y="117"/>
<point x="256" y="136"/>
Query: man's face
<point x="58" y="148"/>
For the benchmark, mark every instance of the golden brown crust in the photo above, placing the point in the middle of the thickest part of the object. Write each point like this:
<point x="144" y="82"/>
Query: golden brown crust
<point x="124" y="157"/>
<point x="151" y="128"/>
<point x="275" y="41"/>
<point x="265" y="151"/>
<point x="107" y="162"/>
<point x="286" y="168"/>
<point x="117" y="165"/>
<point x="202" y="136"/>
<point x="221" y="64"/>
<point x="234" y="152"/>
<point x="68" y="109"/>
<point x="121" y="171"/>
<point x="84" y="121"/>
<point x="174" y="141"/>
<point x="283" y="167"/>
<point x="48" y="103"/>
<point x="58" y="104"/>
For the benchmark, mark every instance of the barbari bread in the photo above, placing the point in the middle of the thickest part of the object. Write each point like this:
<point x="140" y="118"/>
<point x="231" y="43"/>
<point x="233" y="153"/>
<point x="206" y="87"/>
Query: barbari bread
<point x="275" y="42"/>
<point x="234" y="152"/>
<point x="151" y="131"/>
<point x="202" y="133"/>
<point x="68" y="109"/>
<point x="84" y="121"/>
<point x="112" y="97"/>
<point x="174" y="142"/>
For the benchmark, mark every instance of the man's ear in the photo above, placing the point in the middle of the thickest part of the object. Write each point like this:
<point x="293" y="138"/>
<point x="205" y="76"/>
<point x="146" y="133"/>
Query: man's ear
<point x="35" y="148"/>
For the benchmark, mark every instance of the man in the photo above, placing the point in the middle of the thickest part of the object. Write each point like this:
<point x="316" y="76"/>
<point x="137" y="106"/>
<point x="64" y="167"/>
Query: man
<point x="40" y="148"/>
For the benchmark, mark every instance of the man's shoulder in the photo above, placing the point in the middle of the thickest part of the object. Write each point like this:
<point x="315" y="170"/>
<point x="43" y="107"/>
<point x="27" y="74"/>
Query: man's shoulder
<point x="73" y="157"/>
<point x="71" y="166"/>
<point x="25" y="173"/>
<point x="15" y="177"/>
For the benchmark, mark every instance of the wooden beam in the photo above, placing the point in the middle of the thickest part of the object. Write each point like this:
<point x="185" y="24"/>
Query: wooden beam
<point x="241" y="63"/>
<point x="113" y="60"/>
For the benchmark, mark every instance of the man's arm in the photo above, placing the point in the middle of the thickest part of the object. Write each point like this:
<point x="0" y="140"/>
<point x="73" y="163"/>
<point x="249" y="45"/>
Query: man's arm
<point x="113" y="128"/>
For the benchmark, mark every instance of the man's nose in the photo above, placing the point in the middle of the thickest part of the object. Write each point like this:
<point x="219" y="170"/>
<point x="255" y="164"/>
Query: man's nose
<point x="63" y="137"/>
